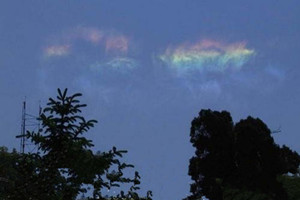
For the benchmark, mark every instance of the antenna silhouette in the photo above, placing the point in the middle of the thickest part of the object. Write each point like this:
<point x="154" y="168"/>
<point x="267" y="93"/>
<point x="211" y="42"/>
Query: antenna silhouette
<point x="28" y="120"/>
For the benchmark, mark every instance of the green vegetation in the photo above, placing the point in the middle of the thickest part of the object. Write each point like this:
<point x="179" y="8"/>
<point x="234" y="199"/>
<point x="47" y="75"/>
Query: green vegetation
<point x="65" y="166"/>
<point x="239" y="161"/>
<point x="292" y="185"/>
<point x="232" y="161"/>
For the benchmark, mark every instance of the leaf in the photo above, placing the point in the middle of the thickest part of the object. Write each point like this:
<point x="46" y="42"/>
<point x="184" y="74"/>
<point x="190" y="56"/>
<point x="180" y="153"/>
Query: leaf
<point x="65" y="93"/>
<point x="60" y="96"/>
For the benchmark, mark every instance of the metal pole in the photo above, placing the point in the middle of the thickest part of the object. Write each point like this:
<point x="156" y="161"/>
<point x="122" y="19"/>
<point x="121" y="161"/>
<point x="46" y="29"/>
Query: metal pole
<point x="23" y="127"/>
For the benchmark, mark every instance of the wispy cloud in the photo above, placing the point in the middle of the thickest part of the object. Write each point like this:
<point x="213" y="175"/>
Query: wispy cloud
<point x="113" y="49"/>
<point x="117" y="43"/>
<point x="121" y="64"/>
<point x="208" y="55"/>
<point x="57" y="50"/>
<point x="101" y="61"/>
<point x="111" y="42"/>
<point x="90" y="34"/>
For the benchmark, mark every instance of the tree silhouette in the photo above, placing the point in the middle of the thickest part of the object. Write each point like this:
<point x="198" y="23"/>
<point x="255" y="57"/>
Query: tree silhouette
<point x="292" y="185"/>
<point x="65" y="166"/>
<point x="237" y="161"/>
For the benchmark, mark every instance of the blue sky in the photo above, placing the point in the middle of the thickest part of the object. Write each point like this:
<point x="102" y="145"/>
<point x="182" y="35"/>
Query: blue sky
<point x="146" y="68"/>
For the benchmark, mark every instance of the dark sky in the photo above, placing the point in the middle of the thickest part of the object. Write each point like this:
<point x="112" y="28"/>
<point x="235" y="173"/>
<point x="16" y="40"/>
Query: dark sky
<point x="146" y="68"/>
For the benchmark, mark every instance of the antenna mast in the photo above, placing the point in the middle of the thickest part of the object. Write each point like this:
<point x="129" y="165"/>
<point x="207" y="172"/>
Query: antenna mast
<point x="27" y="120"/>
<point x="23" y="128"/>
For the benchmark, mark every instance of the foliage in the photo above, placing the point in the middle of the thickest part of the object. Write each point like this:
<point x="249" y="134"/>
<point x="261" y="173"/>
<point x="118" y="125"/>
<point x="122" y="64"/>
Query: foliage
<point x="292" y="185"/>
<point x="65" y="166"/>
<point x="237" y="161"/>
<point x="7" y="171"/>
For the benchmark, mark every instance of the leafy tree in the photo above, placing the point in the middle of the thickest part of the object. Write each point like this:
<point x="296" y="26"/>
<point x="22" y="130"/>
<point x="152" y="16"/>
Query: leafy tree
<point x="237" y="161"/>
<point x="65" y="166"/>
<point x="292" y="185"/>
<point x="7" y="171"/>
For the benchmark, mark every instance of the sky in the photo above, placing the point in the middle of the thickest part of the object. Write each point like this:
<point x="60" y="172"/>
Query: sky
<point x="146" y="69"/>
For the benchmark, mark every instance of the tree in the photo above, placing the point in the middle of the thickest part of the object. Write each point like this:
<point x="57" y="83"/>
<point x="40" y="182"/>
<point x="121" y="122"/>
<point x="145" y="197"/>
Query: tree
<point x="65" y="166"/>
<point x="292" y="185"/>
<point x="7" y="171"/>
<point x="237" y="161"/>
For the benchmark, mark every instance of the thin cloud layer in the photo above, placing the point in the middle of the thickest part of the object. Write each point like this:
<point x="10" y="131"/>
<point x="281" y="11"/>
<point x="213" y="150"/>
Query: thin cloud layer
<point x="92" y="35"/>
<point x="207" y="55"/>
<point x="95" y="59"/>
<point x="100" y="58"/>
<point x="117" y="43"/>
<point x="113" y="43"/>
<point x="121" y="64"/>
<point x="111" y="49"/>
<point x="57" y="50"/>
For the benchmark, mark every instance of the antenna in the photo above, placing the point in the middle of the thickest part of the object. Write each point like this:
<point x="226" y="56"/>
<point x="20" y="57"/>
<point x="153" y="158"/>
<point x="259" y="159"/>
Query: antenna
<point x="28" y="120"/>
<point x="23" y="127"/>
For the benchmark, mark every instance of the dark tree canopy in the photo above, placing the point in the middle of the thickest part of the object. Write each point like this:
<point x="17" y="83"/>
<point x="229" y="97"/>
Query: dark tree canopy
<point x="292" y="185"/>
<point x="65" y="166"/>
<point x="237" y="161"/>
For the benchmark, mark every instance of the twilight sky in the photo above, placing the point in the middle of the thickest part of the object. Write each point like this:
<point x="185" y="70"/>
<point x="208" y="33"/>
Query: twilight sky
<point x="146" y="68"/>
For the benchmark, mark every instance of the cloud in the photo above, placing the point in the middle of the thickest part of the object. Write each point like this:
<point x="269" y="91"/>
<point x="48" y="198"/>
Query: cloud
<point x="109" y="48"/>
<point x="121" y="64"/>
<point x="105" y="59"/>
<point x="277" y="73"/>
<point x="57" y="50"/>
<point x="213" y="68"/>
<point x="211" y="89"/>
<point x="117" y="43"/>
<point x="101" y="61"/>
<point x="209" y="55"/>
<point x="90" y="34"/>
<point x="111" y="42"/>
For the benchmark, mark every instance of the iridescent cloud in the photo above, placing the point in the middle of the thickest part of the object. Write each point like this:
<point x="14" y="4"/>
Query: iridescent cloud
<point x="57" y="50"/>
<point x="117" y="43"/>
<point x="111" y="42"/>
<point x="112" y="50"/>
<point x="207" y="55"/>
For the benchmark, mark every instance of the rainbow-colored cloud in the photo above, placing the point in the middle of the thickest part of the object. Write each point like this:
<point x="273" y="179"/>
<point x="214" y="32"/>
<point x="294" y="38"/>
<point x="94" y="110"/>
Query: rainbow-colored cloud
<point x="112" y="42"/>
<point x="114" y="50"/>
<point x="207" y="55"/>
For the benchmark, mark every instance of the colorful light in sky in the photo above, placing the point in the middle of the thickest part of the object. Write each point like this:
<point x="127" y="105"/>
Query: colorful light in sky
<point x="207" y="55"/>
<point x="112" y="42"/>
<point x="114" y="45"/>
